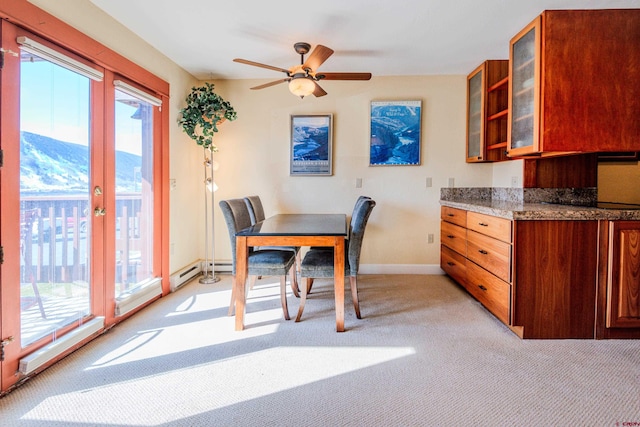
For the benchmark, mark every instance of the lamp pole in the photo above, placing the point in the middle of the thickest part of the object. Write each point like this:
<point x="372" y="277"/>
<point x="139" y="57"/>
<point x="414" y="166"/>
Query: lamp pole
<point x="209" y="187"/>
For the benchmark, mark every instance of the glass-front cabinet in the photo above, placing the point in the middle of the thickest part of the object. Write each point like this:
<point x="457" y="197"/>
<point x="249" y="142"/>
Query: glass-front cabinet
<point x="487" y="108"/>
<point x="524" y="87"/>
<point x="475" y="114"/>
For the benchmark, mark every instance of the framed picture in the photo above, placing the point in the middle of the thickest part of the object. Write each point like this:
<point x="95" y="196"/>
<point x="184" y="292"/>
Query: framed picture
<point x="395" y="133"/>
<point x="311" y="144"/>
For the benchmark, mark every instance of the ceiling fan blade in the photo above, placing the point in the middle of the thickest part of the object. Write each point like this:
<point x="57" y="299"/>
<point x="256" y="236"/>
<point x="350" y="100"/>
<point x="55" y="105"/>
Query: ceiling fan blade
<point x="317" y="57"/>
<point x="257" y="64"/>
<point x="344" y="76"/>
<point x="318" y="91"/>
<point x="270" y="84"/>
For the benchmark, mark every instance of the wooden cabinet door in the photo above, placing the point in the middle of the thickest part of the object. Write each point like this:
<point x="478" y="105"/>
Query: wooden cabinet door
<point x="623" y="282"/>
<point x="524" y="91"/>
<point x="475" y="114"/>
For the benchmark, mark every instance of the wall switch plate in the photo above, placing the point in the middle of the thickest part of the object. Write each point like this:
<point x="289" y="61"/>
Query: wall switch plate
<point x="430" y="238"/>
<point x="452" y="182"/>
<point x="429" y="182"/>
<point x="358" y="182"/>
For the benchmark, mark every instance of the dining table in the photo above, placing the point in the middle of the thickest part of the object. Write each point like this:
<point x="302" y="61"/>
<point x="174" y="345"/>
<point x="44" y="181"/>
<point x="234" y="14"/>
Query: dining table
<point x="292" y="230"/>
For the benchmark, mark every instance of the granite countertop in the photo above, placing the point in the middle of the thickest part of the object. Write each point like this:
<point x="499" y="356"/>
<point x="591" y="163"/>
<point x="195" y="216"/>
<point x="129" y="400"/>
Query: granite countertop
<point x="515" y="209"/>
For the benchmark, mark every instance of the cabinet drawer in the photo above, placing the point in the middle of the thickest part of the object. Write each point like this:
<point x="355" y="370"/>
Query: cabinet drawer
<point x="454" y="264"/>
<point x="491" y="254"/>
<point x="454" y="237"/>
<point x="453" y="215"/>
<point x="492" y="292"/>
<point x="499" y="228"/>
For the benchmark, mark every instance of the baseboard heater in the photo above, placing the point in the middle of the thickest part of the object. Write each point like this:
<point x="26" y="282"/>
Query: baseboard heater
<point x="142" y="295"/>
<point x="178" y="279"/>
<point x="40" y="357"/>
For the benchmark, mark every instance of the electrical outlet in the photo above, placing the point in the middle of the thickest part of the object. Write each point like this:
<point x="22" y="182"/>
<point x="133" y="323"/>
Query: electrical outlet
<point x="430" y="238"/>
<point x="452" y="182"/>
<point x="514" y="181"/>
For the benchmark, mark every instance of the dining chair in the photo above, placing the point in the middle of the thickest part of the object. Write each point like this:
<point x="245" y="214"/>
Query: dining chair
<point x="318" y="263"/>
<point x="262" y="262"/>
<point x="256" y="212"/>
<point x="355" y="207"/>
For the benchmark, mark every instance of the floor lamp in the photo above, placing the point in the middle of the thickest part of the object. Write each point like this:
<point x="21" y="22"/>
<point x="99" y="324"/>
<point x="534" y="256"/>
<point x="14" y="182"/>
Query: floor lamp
<point x="209" y="190"/>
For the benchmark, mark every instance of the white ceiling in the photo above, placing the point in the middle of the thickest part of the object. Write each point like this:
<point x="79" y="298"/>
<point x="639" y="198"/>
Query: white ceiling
<point x="384" y="37"/>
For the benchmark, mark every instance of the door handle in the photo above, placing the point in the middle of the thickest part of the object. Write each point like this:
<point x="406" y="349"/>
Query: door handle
<point x="2" y="344"/>
<point x="99" y="212"/>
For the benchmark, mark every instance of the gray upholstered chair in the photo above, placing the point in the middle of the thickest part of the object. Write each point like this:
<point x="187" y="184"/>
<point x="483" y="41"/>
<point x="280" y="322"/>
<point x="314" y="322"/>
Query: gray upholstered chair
<point x="355" y="208"/>
<point x="256" y="212"/>
<point x="260" y="262"/>
<point x="318" y="263"/>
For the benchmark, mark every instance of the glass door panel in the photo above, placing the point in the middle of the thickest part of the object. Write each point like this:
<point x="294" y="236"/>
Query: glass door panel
<point x="475" y="114"/>
<point x="524" y="86"/>
<point x="55" y="215"/>
<point x="134" y="189"/>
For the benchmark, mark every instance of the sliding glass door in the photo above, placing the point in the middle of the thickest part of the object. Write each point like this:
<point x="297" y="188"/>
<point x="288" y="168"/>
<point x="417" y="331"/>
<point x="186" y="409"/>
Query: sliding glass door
<point x="81" y="217"/>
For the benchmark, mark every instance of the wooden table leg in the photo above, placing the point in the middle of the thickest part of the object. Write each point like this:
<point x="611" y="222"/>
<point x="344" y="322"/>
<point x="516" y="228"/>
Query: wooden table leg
<point x="242" y="253"/>
<point x="338" y="272"/>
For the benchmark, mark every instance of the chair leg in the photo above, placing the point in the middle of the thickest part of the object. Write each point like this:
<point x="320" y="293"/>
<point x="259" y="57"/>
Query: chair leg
<point x="283" y="296"/>
<point x="294" y="281"/>
<point x="303" y="298"/>
<point x="232" y="303"/>
<point x="253" y="281"/>
<point x="353" y="280"/>
<point x="309" y="284"/>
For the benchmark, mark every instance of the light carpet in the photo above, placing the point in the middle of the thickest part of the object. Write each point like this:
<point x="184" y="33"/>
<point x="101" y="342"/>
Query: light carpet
<point x="424" y="354"/>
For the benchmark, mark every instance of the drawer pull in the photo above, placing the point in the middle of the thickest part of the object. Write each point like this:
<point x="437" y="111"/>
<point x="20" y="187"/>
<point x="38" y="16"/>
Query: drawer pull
<point x="483" y="252"/>
<point x="450" y="214"/>
<point x="451" y="236"/>
<point x="482" y="287"/>
<point x="451" y="264"/>
<point x="482" y="224"/>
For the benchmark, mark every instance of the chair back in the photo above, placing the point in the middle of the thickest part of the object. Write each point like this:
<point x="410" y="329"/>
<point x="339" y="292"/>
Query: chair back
<point x="236" y="215"/>
<point x="358" y="224"/>
<point x="355" y="209"/>
<point x="256" y="211"/>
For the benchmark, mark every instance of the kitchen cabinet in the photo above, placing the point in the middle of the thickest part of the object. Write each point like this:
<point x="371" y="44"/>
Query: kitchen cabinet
<point x="620" y="280"/>
<point x="573" y="83"/>
<point x="478" y="256"/>
<point x="536" y="276"/>
<point x="487" y="102"/>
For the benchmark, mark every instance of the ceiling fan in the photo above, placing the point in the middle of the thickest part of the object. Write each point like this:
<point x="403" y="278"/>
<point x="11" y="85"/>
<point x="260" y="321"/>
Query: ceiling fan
<point x="303" y="79"/>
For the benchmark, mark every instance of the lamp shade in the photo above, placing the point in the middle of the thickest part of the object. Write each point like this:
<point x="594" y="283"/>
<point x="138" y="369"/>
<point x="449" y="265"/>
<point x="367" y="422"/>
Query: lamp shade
<point x="302" y="86"/>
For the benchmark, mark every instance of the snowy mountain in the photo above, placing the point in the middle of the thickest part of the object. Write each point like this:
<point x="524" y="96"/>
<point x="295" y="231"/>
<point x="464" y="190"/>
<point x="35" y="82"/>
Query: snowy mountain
<point x="52" y="166"/>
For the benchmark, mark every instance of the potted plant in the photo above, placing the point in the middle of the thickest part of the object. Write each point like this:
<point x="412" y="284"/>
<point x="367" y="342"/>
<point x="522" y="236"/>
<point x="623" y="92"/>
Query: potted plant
<point x="204" y="111"/>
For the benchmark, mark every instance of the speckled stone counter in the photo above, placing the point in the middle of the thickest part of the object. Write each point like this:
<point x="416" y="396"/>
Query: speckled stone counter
<point x="527" y="204"/>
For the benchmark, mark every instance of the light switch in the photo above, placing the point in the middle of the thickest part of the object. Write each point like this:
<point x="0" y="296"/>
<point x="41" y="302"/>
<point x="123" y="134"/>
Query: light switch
<point x="358" y="182"/>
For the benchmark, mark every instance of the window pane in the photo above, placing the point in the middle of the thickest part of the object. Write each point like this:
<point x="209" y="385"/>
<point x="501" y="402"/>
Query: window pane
<point x="134" y="192"/>
<point x="54" y="197"/>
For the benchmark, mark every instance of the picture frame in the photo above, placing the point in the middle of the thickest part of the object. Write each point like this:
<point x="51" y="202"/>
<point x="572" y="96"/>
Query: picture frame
<point x="311" y="151"/>
<point x="396" y="129"/>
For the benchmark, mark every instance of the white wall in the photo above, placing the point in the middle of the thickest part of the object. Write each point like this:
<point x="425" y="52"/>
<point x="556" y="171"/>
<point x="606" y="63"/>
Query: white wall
<point x="254" y="159"/>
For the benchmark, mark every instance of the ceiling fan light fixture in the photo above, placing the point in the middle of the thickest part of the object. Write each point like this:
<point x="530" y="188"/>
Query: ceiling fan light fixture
<point x="301" y="85"/>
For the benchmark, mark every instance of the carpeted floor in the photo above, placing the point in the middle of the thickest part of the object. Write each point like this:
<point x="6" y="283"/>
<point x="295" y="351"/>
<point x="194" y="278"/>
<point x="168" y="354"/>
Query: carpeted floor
<point x="424" y="354"/>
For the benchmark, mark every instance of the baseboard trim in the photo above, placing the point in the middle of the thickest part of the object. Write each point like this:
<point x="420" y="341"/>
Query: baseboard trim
<point x="400" y="269"/>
